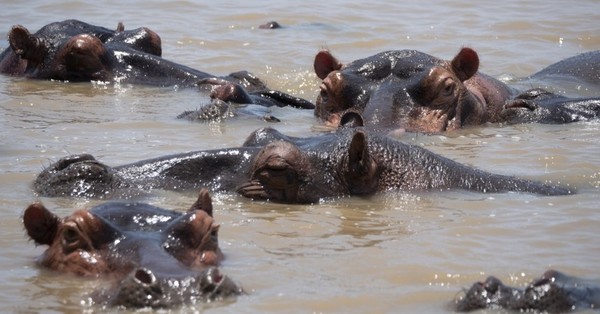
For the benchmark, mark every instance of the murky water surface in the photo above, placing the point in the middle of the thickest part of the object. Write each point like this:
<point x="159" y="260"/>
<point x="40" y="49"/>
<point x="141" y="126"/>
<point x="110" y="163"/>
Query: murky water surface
<point x="396" y="252"/>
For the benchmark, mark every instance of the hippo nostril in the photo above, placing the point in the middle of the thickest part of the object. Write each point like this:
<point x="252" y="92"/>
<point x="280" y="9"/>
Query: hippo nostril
<point x="144" y="276"/>
<point x="214" y="275"/>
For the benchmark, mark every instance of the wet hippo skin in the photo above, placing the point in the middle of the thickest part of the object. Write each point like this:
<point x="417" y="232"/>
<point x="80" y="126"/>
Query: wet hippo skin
<point x="156" y="257"/>
<point x="553" y="292"/>
<point x="76" y="51"/>
<point x="284" y="169"/>
<point x="419" y="92"/>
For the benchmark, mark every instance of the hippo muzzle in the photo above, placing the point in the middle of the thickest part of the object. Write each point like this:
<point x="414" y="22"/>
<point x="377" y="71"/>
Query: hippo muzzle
<point x="143" y="288"/>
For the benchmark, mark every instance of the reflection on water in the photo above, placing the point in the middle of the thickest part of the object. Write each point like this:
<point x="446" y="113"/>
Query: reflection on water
<point x="392" y="252"/>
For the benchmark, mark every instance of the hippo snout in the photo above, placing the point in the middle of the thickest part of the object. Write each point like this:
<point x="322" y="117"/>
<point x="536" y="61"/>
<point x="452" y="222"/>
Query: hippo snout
<point x="76" y="175"/>
<point x="143" y="288"/>
<point x="214" y="285"/>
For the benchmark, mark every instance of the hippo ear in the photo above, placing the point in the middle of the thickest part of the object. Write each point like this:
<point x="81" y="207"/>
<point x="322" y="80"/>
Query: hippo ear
<point x="351" y="119"/>
<point x="358" y="153"/>
<point x="326" y="63"/>
<point x="40" y="223"/>
<point x="362" y="170"/>
<point x="204" y="203"/>
<point x="465" y="64"/>
<point x="22" y="42"/>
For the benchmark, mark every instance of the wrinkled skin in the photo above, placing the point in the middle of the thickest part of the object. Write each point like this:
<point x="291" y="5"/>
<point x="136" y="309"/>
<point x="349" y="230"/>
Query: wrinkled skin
<point x="354" y="162"/>
<point x="421" y="93"/>
<point x="75" y="51"/>
<point x="285" y="169"/>
<point x="141" y="247"/>
<point x="554" y="292"/>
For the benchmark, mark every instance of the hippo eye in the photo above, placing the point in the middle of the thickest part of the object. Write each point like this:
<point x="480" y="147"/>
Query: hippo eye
<point x="448" y="88"/>
<point x="70" y="238"/>
<point x="214" y="235"/>
<point x="324" y="96"/>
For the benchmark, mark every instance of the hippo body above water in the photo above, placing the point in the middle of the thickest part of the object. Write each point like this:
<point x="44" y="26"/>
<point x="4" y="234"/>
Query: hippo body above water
<point x="553" y="292"/>
<point x="72" y="50"/>
<point x="75" y="51"/>
<point x="159" y="258"/>
<point x="284" y="169"/>
<point x="418" y="92"/>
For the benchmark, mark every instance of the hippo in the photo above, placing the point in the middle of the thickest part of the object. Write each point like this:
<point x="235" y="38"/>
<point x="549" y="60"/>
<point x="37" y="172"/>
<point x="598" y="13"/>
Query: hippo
<point x="72" y="50"/>
<point x="157" y="258"/>
<point x="76" y="51"/>
<point x="284" y="169"/>
<point x="225" y="95"/>
<point x="421" y="93"/>
<point x="270" y="25"/>
<point x="553" y="292"/>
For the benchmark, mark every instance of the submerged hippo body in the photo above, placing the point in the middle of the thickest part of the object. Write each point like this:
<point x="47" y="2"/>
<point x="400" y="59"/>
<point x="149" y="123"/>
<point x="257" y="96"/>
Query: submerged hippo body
<point x="553" y="292"/>
<point x="75" y="51"/>
<point x="284" y="169"/>
<point x="142" y="247"/>
<point x="416" y="91"/>
<point x="72" y="50"/>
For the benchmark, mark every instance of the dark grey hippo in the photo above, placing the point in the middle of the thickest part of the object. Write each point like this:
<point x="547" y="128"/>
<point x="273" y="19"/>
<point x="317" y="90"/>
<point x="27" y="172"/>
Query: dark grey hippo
<point x="158" y="258"/>
<point x="284" y="169"/>
<point x="553" y="292"/>
<point x="419" y="92"/>
<point x="75" y="51"/>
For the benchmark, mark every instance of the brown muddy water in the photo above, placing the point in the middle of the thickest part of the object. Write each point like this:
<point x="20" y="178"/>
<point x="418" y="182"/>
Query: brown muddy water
<point x="390" y="253"/>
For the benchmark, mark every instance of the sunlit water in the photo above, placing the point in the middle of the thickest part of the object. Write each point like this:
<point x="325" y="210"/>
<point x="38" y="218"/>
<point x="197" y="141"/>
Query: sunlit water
<point x="395" y="252"/>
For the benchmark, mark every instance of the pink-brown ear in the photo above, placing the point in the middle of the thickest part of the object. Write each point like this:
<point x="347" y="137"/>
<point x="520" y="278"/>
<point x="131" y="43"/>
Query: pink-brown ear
<point x="326" y="63"/>
<point x="20" y="40"/>
<point x="26" y="45"/>
<point x="40" y="223"/>
<point x="204" y="202"/>
<point x="465" y="64"/>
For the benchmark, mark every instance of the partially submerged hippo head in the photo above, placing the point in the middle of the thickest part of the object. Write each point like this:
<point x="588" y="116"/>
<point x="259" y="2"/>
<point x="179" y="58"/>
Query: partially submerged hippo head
<point x="78" y="175"/>
<point x="406" y="89"/>
<point x="329" y="166"/>
<point x="353" y="161"/>
<point x="72" y="50"/>
<point x="156" y="255"/>
<point x="553" y="292"/>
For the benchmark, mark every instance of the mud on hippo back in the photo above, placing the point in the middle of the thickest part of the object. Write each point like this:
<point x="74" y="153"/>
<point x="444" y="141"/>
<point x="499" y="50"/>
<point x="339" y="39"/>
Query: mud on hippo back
<point x="159" y="258"/>
<point x="553" y="292"/>
<point x="416" y="91"/>
<point x="284" y="169"/>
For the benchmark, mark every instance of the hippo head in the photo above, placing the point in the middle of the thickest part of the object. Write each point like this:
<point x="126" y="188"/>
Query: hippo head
<point x="77" y="175"/>
<point x="404" y="89"/>
<point x="82" y="57"/>
<point x="283" y="172"/>
<point x="549" y="293"/>
<point x="72" y="50"/>
<point x="145" y="248"/>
